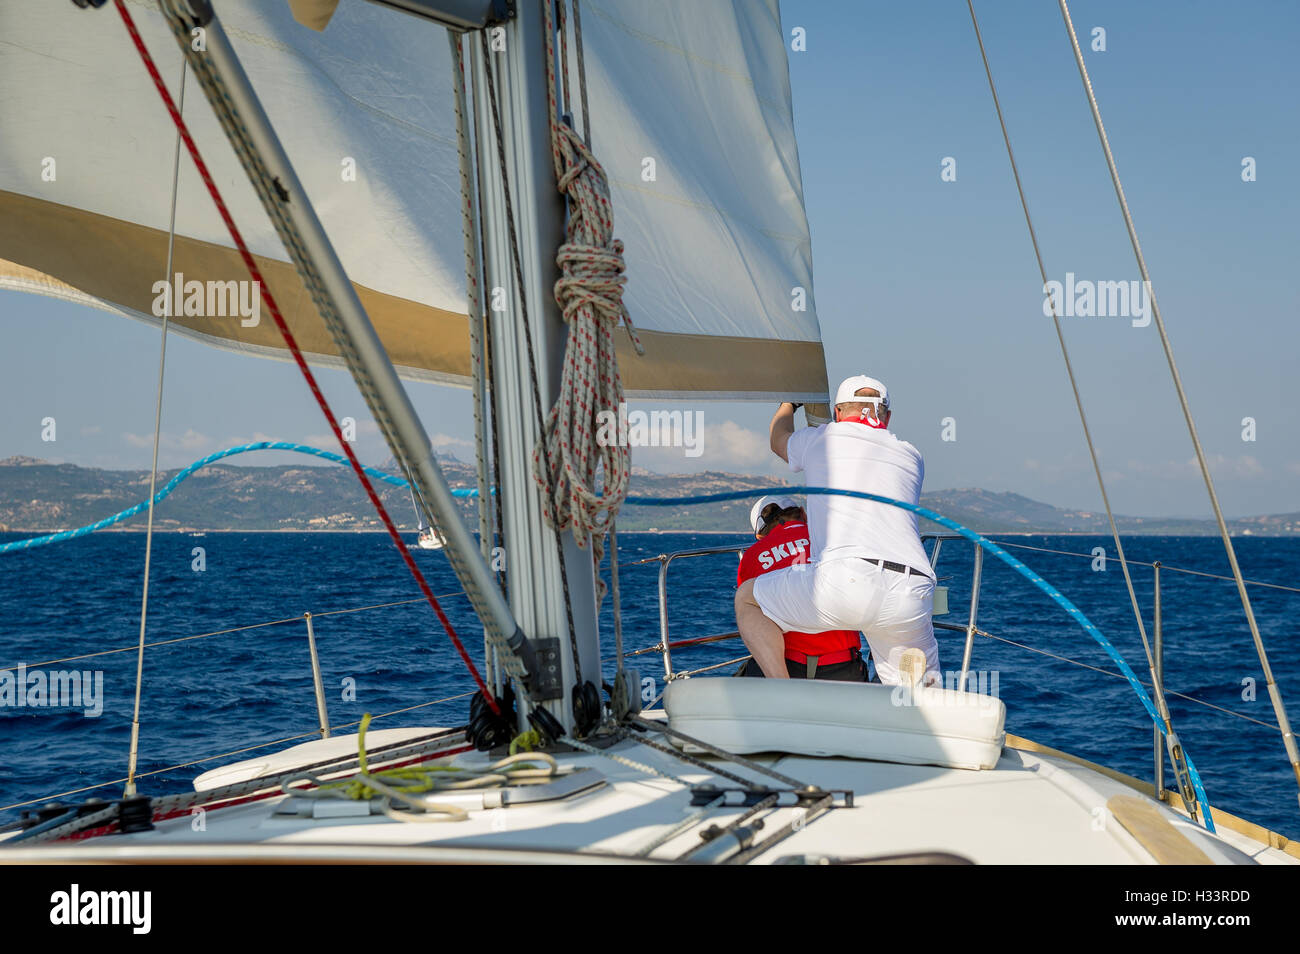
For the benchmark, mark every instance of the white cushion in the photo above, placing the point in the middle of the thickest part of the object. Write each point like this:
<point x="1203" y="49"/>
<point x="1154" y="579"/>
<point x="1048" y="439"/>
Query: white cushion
<point x="847" y="719"/>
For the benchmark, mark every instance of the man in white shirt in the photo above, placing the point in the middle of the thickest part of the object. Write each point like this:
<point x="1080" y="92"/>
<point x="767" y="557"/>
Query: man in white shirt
<point x="870" y="571"/>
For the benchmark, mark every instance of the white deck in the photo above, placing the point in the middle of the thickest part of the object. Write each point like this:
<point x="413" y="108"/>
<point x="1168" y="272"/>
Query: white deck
<point x="1028" y="809"/>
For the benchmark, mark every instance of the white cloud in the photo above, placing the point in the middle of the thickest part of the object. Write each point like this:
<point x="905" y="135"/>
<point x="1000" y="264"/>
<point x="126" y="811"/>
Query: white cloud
<point x="444" y="442"/>
<point x="735" y="447"/>
<point x="191" y="440"/>
<point x="366" y="428"/>
<point x="1221" y="465"/>
<point x="713" y="445"/>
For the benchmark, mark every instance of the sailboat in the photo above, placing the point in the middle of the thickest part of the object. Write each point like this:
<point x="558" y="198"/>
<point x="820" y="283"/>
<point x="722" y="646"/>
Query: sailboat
<point x="556" y="763"/>
<point x="426" y="538"/>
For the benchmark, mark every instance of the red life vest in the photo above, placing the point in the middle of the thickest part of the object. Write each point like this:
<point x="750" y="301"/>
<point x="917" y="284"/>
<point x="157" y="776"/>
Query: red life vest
<point x="785" y="546"/>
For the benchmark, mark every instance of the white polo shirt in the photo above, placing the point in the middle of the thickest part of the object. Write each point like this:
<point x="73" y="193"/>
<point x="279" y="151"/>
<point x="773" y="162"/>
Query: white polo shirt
<point x="852" y="456"/>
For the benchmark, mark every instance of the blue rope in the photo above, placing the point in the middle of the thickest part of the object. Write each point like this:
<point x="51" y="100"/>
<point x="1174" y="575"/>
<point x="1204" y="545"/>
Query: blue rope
<point x="971" y="535"/>
<point x="1060" y="599"/>
<point x="198" y="464"/>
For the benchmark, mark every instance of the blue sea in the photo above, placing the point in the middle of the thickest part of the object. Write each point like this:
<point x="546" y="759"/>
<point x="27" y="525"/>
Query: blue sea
<point x="209" y="696"/>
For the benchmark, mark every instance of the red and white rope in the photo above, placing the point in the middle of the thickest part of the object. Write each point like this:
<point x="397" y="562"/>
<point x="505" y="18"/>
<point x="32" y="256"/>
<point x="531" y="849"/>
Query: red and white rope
<point x="569" y="457"/>
<point x="291" y="342"/>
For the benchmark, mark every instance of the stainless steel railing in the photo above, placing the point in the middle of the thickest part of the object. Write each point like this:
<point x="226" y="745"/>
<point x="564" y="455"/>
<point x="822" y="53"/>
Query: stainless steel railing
<point x="664" y="560"/>
<point x="970" y="629"/>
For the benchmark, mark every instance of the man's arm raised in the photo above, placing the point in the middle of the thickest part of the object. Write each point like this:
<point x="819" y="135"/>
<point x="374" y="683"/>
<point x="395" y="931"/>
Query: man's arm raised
<point x="781" y="428"/>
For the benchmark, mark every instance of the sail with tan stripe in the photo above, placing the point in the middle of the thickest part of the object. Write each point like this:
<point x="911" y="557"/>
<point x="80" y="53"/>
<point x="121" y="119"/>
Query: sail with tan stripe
<point x="691" y="114"/>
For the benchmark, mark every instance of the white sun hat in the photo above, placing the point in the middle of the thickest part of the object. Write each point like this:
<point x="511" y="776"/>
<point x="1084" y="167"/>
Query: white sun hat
<point x="756" y="512"/>
<point x="849" y="388"/>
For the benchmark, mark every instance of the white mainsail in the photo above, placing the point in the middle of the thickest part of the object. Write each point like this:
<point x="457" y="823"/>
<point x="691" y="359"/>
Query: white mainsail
<point x="718" y="248"/>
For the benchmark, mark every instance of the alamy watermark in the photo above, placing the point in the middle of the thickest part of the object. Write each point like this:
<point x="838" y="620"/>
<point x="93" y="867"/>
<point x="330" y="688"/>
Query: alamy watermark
<point x="979" y="685"/>
<point x="626" y="428"/>
<point x="210" y="299"/>
<point x="55" y="689"/>
<point x="133" y="909"/>
<point x="1088" y="299"/>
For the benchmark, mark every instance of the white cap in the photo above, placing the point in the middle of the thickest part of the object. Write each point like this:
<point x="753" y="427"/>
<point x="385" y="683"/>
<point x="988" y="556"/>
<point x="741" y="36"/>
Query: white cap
<point x="849" y="388"/>
<point x="756" y="512"/>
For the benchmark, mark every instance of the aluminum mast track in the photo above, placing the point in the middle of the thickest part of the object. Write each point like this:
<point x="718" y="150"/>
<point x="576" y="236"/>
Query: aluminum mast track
<point x="224" y="82"/>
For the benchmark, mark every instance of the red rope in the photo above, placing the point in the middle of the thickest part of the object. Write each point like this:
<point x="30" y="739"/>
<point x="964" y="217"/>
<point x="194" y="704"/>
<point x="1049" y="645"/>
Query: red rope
<point x="292" y="345"/>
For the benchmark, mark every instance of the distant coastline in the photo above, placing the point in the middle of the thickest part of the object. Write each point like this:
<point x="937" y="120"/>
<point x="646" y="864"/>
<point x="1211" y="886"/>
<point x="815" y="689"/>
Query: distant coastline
<point x="39" y="497"/>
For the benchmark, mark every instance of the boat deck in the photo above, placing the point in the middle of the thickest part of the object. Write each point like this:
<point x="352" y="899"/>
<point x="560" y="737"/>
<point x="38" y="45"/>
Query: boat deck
<point x="1031" y="808"/>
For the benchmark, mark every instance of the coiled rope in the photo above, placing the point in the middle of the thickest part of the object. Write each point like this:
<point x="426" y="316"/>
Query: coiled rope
<point x="569" y="456"/>
<point x="404" y="784"/>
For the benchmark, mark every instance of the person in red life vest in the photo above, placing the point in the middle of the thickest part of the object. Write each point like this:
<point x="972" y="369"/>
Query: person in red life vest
<point x="779" y="523"/>
<point x="868" y="570"/>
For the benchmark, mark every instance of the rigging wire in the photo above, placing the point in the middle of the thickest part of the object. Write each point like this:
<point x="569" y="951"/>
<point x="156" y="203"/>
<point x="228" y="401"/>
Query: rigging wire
<point x="259" y="178"/>
<point x="1171" y="738"/>
<point x="475" y="319"/>
<point x="1279" y="708"/>
<point x="134" y="751"/>
<point x="1110" y="672"/>
<point x="314" y="734"/>
<point x="582" y="72"/>
<point x="233" y="629"/>
<point x="472" y="290"/>
<point x="1163" y="566"/>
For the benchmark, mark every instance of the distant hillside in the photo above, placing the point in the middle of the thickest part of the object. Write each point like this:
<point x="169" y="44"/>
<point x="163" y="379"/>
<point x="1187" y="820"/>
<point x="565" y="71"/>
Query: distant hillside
<point x="1007" y="512"/>
<point x="39" y="497"/>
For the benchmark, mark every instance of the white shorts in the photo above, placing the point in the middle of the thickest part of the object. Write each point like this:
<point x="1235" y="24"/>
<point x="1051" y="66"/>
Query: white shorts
<point x="891" y="609"/>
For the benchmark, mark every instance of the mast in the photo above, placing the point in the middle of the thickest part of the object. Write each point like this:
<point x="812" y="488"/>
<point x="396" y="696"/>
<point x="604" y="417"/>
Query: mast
<point x="218" y="70"/>
<point x="536" y="585"/>
<point x="419" y="513"/>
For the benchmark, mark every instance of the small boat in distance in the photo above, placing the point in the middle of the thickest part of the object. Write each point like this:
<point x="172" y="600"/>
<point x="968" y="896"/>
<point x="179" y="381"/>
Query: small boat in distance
<point x="426" y="538"/>
<point x="429" y="538"/>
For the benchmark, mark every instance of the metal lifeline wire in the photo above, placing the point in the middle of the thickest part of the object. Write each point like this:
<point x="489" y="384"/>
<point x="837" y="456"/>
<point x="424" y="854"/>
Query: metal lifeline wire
<point x="1163" y="566"/>
<point x="477" y="327"/>
<point x="412" y="751"/>
<point x="1056" y="596"/>
<point x="292" y="344"/>
<point x="1108" y="672"/>
<point x="1171" y="738"/>
<point x="315" y="733"/>
<point x="473" y="292"/>
<point x="1275" y="694"/>
<point x="134" y="751"/>
<point x="233" y="629"/>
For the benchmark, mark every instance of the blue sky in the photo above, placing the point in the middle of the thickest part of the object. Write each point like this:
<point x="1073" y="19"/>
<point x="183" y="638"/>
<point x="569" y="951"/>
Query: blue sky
<point x="929" y="285"/>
